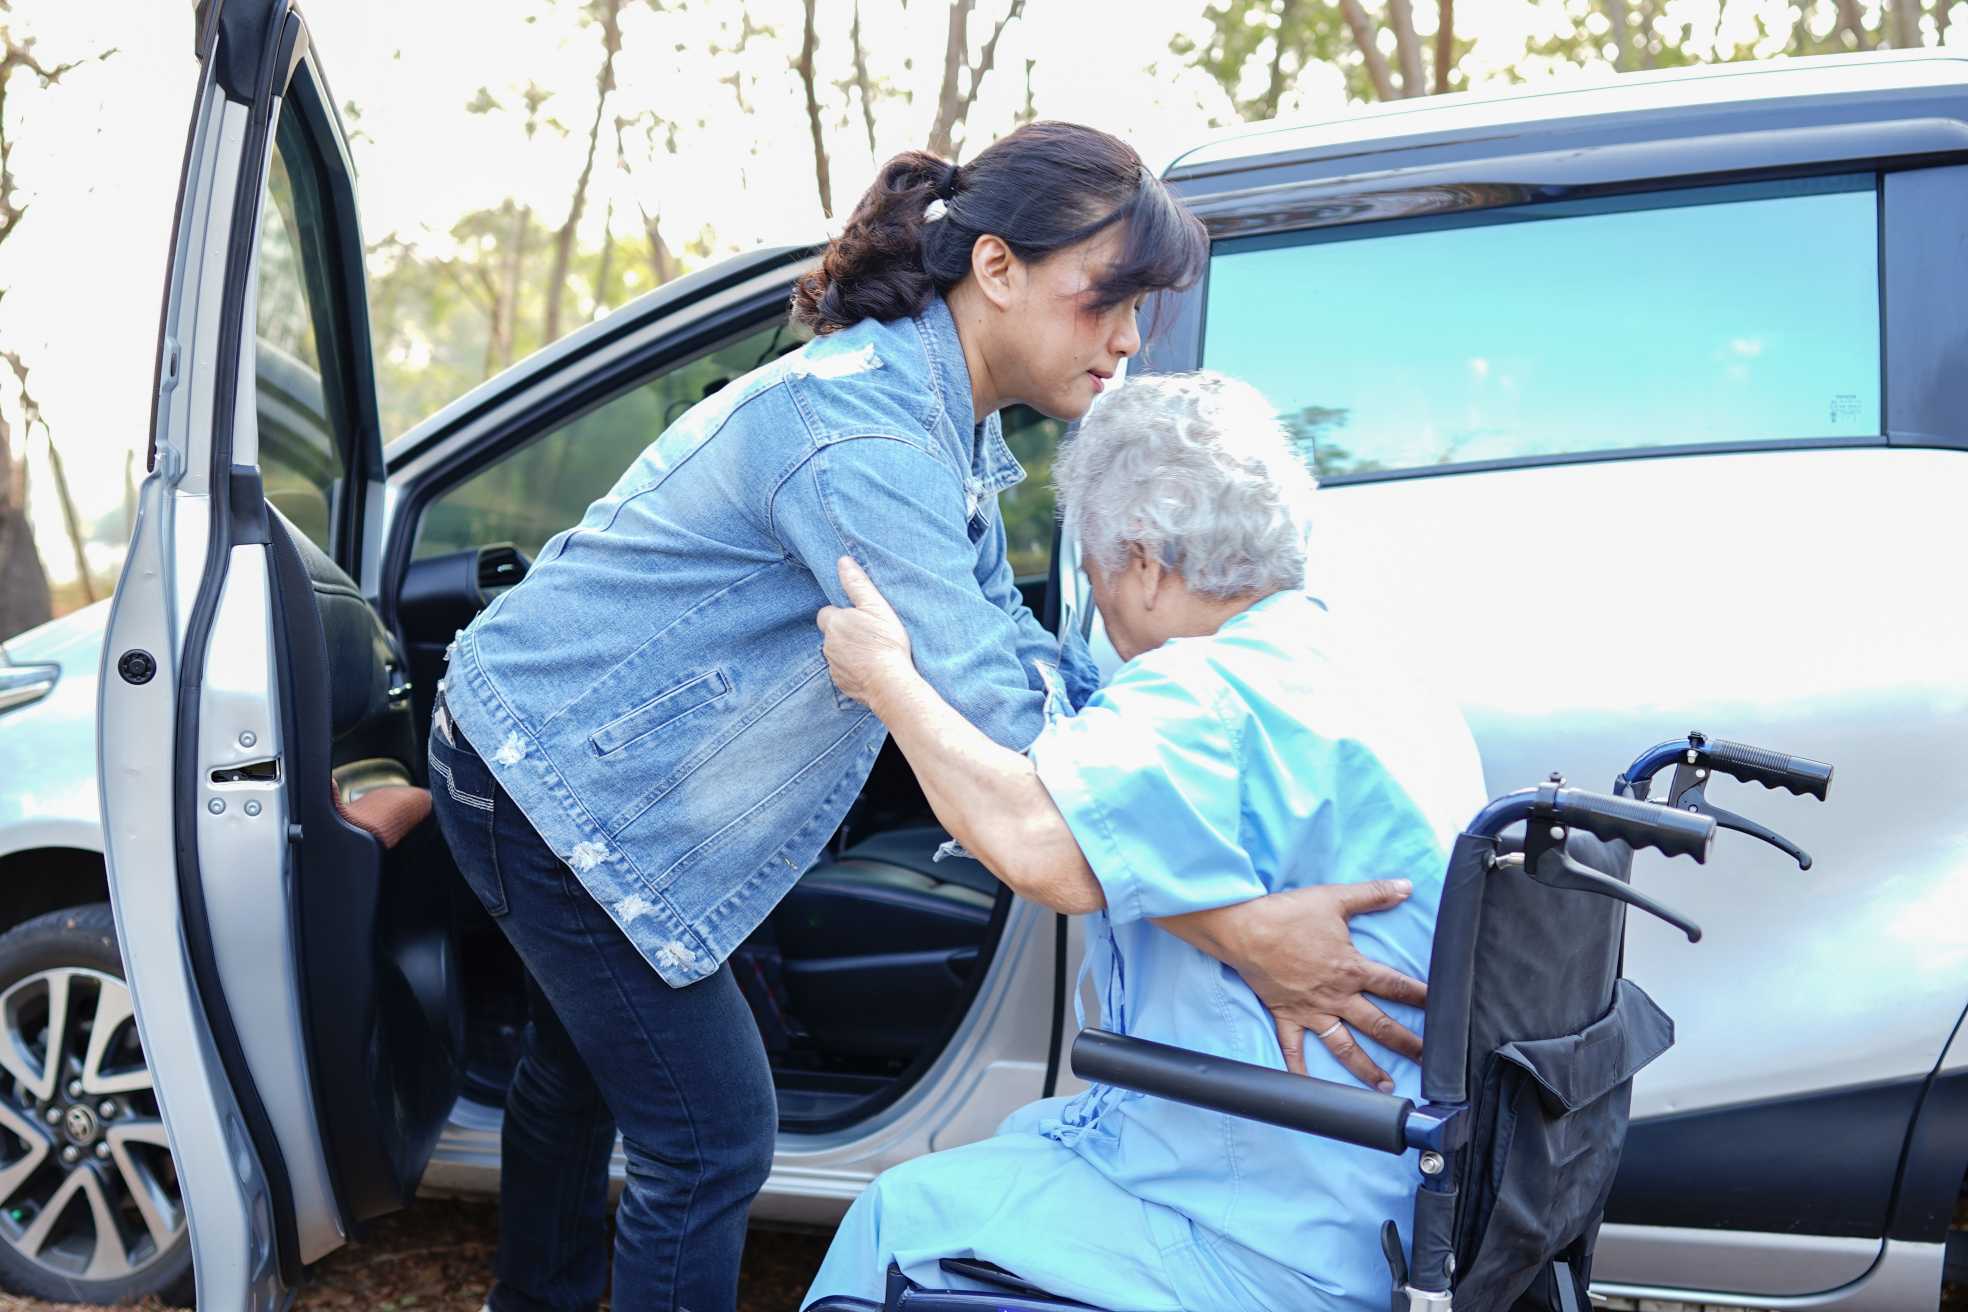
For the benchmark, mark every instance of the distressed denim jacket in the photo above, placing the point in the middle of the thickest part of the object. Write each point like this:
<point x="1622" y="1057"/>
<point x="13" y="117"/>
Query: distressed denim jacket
<point x="653" y="694"/>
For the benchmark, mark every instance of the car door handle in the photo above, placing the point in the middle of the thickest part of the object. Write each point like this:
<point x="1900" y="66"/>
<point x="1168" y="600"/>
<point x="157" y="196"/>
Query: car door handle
<point x="21" y="684"/>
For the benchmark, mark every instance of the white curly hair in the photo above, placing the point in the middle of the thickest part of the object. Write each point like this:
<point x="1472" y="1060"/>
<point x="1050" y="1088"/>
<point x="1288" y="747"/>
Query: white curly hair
<point x="1196" y="469"/>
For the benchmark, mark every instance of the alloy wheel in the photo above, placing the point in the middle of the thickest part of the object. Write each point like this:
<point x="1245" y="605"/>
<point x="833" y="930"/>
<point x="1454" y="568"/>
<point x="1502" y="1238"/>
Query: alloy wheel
<point x="87" y="1186"/>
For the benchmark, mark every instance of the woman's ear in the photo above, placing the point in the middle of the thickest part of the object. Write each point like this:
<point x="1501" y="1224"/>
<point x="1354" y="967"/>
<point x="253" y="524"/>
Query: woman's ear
<point x="991" y="268"/>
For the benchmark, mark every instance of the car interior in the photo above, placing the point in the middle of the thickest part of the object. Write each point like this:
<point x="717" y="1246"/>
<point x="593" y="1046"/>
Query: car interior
<point x="857" y="979"/>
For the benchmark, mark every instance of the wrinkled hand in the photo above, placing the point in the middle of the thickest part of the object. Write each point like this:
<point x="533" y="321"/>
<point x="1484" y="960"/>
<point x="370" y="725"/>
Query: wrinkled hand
<point x="1300" y="960"/>
<point x="867" y="648"/>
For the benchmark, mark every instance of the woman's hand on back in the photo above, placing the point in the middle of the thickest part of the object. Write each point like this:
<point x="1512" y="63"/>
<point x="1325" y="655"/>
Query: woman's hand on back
<point x="1296" y="952"/>
<point x="866" y="646"/>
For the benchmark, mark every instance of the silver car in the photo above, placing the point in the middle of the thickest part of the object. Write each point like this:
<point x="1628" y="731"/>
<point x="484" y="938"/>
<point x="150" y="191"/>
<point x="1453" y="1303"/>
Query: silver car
<point x="1640" y="409"/>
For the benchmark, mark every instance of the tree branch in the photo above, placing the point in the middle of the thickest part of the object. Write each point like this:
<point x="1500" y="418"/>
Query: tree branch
<point x="1400" y="15"/>
<point x="1274" y="89"/>
<point x="1444" y="45"/>
<point x="952" y="107"/>
<point x="1363" y="40"/>
<point x="1617" y="16"/>
<point x="821" y="171"/>
<point x="862" y="83"/>
<point x="32" y="418"/>
<point x="610" y="12"/>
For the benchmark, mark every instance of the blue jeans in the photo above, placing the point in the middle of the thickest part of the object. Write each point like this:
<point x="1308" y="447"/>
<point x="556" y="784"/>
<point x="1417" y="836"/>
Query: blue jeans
<point x="608" y="1044"/>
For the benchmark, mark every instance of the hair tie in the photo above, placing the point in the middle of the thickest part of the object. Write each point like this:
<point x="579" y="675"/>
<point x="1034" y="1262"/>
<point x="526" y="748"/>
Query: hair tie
<point x="946" y="186"/>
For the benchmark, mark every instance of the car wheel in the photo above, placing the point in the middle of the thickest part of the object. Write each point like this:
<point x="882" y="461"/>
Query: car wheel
<point x="90" y="1206"/>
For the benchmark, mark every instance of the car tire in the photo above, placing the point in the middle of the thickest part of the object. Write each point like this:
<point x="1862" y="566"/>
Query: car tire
<point x="90" y="1207"/>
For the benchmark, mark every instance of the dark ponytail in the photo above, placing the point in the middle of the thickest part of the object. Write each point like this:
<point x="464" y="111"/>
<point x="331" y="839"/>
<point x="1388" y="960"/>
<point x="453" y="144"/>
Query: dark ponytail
<point x="1045" y="187"/>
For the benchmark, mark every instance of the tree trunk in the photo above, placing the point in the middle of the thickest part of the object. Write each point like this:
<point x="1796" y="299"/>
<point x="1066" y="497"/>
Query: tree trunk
<point x="1400" y="15"/>
<point x="24" y="600"/>
<point x="1622" y="34"/>
<point x="1904" y="18"/>
<point x="607" y="264"/>
<point x="610" y="12"/>
<point x="1363" y="39"/>
<point x="955" y="100"/>
<point x="863" y="84"/>
<point x="820" y="169"/>
<point x="1274" y="91"/>
<point x="1444" y="45"/>
<point x="72" y="522"/>
<point x="505" y="301"/>
<point x="662" y="261"/>
<point x="949" y="102"/>
<point x="1852" y="22"/>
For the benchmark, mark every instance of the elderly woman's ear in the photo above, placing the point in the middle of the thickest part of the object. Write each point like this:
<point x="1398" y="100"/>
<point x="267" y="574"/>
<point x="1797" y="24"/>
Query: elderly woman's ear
<point x="1145" y="569"/>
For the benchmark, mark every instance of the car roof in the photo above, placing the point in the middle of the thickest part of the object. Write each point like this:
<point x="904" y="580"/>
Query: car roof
<point x="1711" y="86"/>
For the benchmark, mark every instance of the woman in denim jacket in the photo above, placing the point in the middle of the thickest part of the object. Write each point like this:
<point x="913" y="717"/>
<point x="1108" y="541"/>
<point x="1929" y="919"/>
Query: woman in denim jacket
<point x="641" y="750"/>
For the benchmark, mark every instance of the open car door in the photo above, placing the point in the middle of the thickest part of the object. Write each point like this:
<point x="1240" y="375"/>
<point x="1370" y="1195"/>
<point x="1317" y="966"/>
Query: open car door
<point x="294" y="987"/>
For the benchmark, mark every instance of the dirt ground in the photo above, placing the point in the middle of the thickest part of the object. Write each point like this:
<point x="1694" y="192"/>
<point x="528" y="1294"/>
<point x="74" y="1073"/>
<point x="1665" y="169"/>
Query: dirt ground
<point x="437" y="1257"/>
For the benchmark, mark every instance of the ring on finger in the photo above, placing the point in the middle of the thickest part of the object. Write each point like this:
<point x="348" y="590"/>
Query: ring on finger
<point x="1329" y="1031"/>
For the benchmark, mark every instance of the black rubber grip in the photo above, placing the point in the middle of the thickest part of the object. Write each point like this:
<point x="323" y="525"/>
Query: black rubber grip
<point x="1753" y="765"/>
<point x="1637" y="823"/>
<point x="1258" y="1093"/>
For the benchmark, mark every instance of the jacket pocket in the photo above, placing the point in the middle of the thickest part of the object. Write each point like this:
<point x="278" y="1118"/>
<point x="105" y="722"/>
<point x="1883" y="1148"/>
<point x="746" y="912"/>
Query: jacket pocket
<point x="1545" y="1172"/>
<point x="664" y="708"/>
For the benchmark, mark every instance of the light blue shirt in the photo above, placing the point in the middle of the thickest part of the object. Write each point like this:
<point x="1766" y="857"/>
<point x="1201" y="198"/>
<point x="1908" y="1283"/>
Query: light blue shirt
<point x="1274" y="754"/>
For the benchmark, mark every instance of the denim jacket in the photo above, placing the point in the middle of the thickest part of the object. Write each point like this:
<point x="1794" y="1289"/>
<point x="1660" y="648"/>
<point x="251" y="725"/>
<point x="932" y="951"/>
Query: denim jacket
<point x="653" y="694"/>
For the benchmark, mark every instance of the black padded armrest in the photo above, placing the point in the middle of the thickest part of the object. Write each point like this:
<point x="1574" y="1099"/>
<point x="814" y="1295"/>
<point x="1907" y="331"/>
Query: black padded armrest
<point x="1298" y="1102"/>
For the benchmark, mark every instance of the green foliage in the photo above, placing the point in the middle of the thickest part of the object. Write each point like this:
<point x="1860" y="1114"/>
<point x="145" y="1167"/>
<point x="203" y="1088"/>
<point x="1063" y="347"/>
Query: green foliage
<point x="1248" y="37"/>
<point x="444" y="322"/>
<point x="1028" y="510"/>
<point x="546" y="486"/>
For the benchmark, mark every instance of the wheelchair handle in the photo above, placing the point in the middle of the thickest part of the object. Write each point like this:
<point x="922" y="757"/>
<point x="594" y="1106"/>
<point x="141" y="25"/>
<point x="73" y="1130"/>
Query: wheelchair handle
<point x="1635" y="823"/>
<point x="1258" y="1093"/>
<point x="1755" y="765"/>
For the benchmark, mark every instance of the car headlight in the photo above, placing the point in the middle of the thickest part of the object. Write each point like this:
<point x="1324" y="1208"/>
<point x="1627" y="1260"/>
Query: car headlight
<point x="21" y="684"/>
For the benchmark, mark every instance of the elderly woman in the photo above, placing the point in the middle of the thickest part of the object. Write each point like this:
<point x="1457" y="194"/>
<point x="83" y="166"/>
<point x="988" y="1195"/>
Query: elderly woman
<point x="1246" y="747"/>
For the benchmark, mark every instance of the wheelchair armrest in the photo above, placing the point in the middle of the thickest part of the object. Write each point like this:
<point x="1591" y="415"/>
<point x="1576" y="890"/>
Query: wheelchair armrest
<point x="1298" y="1102"/>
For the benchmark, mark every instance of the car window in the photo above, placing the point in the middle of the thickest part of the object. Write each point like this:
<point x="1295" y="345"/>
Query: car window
<point x="1730" y="315"/>
<point x="534" y="492"/>
<point x="1028" y="508"/>
<point x="300" y="462"/>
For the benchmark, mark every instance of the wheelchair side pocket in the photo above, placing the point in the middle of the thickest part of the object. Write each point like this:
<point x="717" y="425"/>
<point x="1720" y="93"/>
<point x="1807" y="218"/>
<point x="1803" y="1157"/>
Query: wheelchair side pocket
<point x="1561" y="1110"/>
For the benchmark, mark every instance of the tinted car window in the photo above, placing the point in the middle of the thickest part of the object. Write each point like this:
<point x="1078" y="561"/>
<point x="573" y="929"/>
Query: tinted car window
<point x="546" y="486"/>
<point x="1027" y="509"/>
<point x="1717" y="315"/>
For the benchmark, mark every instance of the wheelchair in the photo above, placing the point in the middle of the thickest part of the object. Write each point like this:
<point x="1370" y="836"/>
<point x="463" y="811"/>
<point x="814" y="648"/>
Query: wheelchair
<point x="1532" y="1039"/>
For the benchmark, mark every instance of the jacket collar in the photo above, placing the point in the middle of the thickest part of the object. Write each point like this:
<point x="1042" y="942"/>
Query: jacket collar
<point x="993" y="468"/>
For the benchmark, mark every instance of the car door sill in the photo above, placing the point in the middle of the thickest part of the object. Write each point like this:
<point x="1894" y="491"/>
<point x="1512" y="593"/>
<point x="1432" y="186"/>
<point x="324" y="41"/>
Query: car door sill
<point x="1901" y="1274"/>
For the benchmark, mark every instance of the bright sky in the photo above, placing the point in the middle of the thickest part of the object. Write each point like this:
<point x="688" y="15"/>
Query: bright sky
<point x="100" y="153"/>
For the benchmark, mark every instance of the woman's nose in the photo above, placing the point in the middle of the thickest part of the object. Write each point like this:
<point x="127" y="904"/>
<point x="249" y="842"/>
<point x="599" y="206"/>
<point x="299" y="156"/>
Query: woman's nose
<point x="1128" y="340"/>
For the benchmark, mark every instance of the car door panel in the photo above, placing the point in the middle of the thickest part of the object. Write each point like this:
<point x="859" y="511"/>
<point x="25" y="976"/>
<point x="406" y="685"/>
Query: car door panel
<point x="223" y="1141"/>
<point x="385" y="1019"/>
<point x="300" y="1046"/>
<point x="241" y="840"/>
<point x="1781" y="1018"/>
